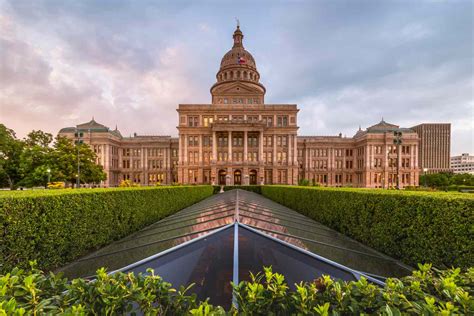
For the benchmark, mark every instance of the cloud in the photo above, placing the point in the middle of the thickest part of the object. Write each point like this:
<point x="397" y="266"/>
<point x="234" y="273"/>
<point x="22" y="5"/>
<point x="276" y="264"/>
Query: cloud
<point x="131" y="63"/>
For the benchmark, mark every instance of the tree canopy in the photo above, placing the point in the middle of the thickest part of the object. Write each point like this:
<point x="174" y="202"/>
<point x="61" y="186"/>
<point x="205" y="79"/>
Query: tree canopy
<point x="36" y="159"/>
<point x="445" y="179"/>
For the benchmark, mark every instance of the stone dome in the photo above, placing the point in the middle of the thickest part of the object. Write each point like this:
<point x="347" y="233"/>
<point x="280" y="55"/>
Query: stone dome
<point x="231" y="58"/>
<point x="238" y="63"/>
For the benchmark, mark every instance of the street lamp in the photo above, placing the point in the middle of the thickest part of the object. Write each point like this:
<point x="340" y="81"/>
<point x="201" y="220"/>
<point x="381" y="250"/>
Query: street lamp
<point x="49" y="175"/>
<point x="78" y="135"/>
<point x="425" y="170"/>
<point x="398" y="141"/>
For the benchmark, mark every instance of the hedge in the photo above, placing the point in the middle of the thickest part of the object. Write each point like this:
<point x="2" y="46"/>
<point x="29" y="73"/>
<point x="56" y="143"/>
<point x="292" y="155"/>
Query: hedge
<point x="426" y="292"/>
<point x="55" y="227"/>
<point x="434" y="227"/>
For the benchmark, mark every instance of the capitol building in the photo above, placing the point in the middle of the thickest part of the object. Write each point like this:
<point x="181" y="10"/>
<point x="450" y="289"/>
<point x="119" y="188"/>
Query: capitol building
<point x="238" y="139"/>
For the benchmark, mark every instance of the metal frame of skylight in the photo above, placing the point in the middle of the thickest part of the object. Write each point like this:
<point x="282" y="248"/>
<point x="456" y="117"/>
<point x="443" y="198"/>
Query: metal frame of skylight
<point x="355" y="273"/>
<point x="152" y="243"/>
<point x="171" y="229"/>
<point x="322" y="243"/>
<point x="192" y="214"/>
<point x="177" y="247"/>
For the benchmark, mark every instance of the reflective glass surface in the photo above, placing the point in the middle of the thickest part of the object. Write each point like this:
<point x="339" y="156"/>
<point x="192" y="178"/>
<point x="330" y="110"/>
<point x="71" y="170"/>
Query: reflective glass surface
<point x="257" y="251"/>
<point x="192" y="222"/>
<point x="208" y="263"/>
<point x="207" y="257"/>
<point x="283" y="223"/>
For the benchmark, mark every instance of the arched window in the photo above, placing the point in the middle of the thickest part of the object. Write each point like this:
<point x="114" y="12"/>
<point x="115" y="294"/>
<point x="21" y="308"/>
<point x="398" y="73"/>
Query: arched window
<point x="238" y="74"/>
<point x="225" y="75"/>
<point x="245" y="75"/>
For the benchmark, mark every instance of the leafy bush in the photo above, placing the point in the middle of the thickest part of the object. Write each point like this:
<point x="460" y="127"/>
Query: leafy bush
<point x="57" y="226"/>
<point x="425" y="292"/>
<point x="128" y="184"/>
<point x="56" y="185"/>
<point x="303" y="182"/>
<point x="415" y="227"/>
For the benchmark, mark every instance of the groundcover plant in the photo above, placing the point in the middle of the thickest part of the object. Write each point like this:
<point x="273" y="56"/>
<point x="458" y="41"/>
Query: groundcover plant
<point x="427" y="291"/>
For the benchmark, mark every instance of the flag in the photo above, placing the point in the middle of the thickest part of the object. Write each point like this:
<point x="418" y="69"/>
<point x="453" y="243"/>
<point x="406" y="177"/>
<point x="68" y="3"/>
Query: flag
<point x="241" y="61"/>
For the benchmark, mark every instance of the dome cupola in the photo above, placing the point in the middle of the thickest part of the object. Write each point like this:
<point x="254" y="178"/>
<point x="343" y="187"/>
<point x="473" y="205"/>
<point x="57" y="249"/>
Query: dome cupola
<point x="237" y="66"/>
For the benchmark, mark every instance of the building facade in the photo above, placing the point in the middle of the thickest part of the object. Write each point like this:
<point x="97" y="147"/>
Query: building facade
<point x="462" y="164"/>
<point x="435" y="146"/>
<point x="239" y="139"/>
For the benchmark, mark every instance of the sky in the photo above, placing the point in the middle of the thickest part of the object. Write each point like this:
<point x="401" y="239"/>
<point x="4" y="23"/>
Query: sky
<point x="130" y="63"/>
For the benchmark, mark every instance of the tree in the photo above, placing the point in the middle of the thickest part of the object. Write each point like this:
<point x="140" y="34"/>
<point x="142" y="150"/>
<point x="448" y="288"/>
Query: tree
<point x="65" y="162"/>
<point x="462" y="179"/>
<point x="36" y="159"/>
<point x="11" y="149"/>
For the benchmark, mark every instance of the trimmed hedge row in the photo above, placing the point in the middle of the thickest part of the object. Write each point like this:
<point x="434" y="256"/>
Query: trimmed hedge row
<point x="425" y="292"/>
<point x="434" y="227"/>
<point x="55" y="227"/>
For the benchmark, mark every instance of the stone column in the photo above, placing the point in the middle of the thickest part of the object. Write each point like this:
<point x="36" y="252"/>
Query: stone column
<point x="290" y="153"/>
<point x="274" y="149"/>
<point x="245" y="145"/>
<point x="229" y="138"/>
<point x="295" y="150"/>
<point x="180" y="149"/>
<point x="145" y="164"/>
<point x="185" y="154"/>
<point x="214" y="147"/>
<point x="260" y="148"/>
<point x="200" y="149"/>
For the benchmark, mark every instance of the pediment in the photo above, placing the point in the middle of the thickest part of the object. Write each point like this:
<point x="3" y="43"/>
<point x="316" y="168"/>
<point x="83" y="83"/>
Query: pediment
<point x="238" y="88"/>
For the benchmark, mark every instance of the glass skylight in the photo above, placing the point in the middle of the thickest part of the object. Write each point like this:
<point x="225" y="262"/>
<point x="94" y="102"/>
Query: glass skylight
<point x="199" y="245"/>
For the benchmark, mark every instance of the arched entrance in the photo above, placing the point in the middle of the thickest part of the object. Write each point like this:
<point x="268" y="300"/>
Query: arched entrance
<point x="253" y="176"/>
<point x="237" y="177"/>
<point x="222" y="174"/>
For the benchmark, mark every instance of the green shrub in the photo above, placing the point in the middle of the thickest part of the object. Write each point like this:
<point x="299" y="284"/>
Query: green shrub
<point x="426" y="292"/>
<point x="54" y="227"/>
<point x="415" y="227"/>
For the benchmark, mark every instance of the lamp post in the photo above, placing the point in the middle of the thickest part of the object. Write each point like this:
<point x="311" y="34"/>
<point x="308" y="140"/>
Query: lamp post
<point x="49" y="176"/>
<point x="398" y="141"/>
<point x="78" y="135"/>
<point x="425" y="170"/>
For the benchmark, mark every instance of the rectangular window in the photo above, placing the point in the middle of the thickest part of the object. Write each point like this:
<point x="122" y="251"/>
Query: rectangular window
<point x="252" y="118"/>
<point x="282" y="121"/>
<point x="268" y="121"/>
<point x="208" y="120"/>
<point x="193" y="121"/>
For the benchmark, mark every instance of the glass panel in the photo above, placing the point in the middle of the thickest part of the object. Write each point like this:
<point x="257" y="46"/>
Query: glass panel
<point x="192" y="222"/>
<point x="294" y="228"/>
<point x="256" y="251"/>
<point x="207" y="262"/>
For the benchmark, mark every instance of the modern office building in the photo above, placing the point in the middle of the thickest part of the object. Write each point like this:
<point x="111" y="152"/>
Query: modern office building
<point x="462" y="164"/>
<point x="434" y="151"/>
<point x="239" y="139"/>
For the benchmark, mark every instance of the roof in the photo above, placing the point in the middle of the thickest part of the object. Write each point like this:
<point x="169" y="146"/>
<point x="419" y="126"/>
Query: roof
<point x="382" y="127"/>
<point x="196" y="245"/>
<point x="91" y="126"/>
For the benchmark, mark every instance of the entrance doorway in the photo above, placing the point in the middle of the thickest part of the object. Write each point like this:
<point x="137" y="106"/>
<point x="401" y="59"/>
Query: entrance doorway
<point x="253" y="176"/>
<point x="222" y="174"/>
<point x="237" y="177"/>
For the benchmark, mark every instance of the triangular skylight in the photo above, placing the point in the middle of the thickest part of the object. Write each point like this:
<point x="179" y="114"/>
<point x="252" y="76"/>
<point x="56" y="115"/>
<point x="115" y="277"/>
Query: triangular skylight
<point x="197" y="245"/>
